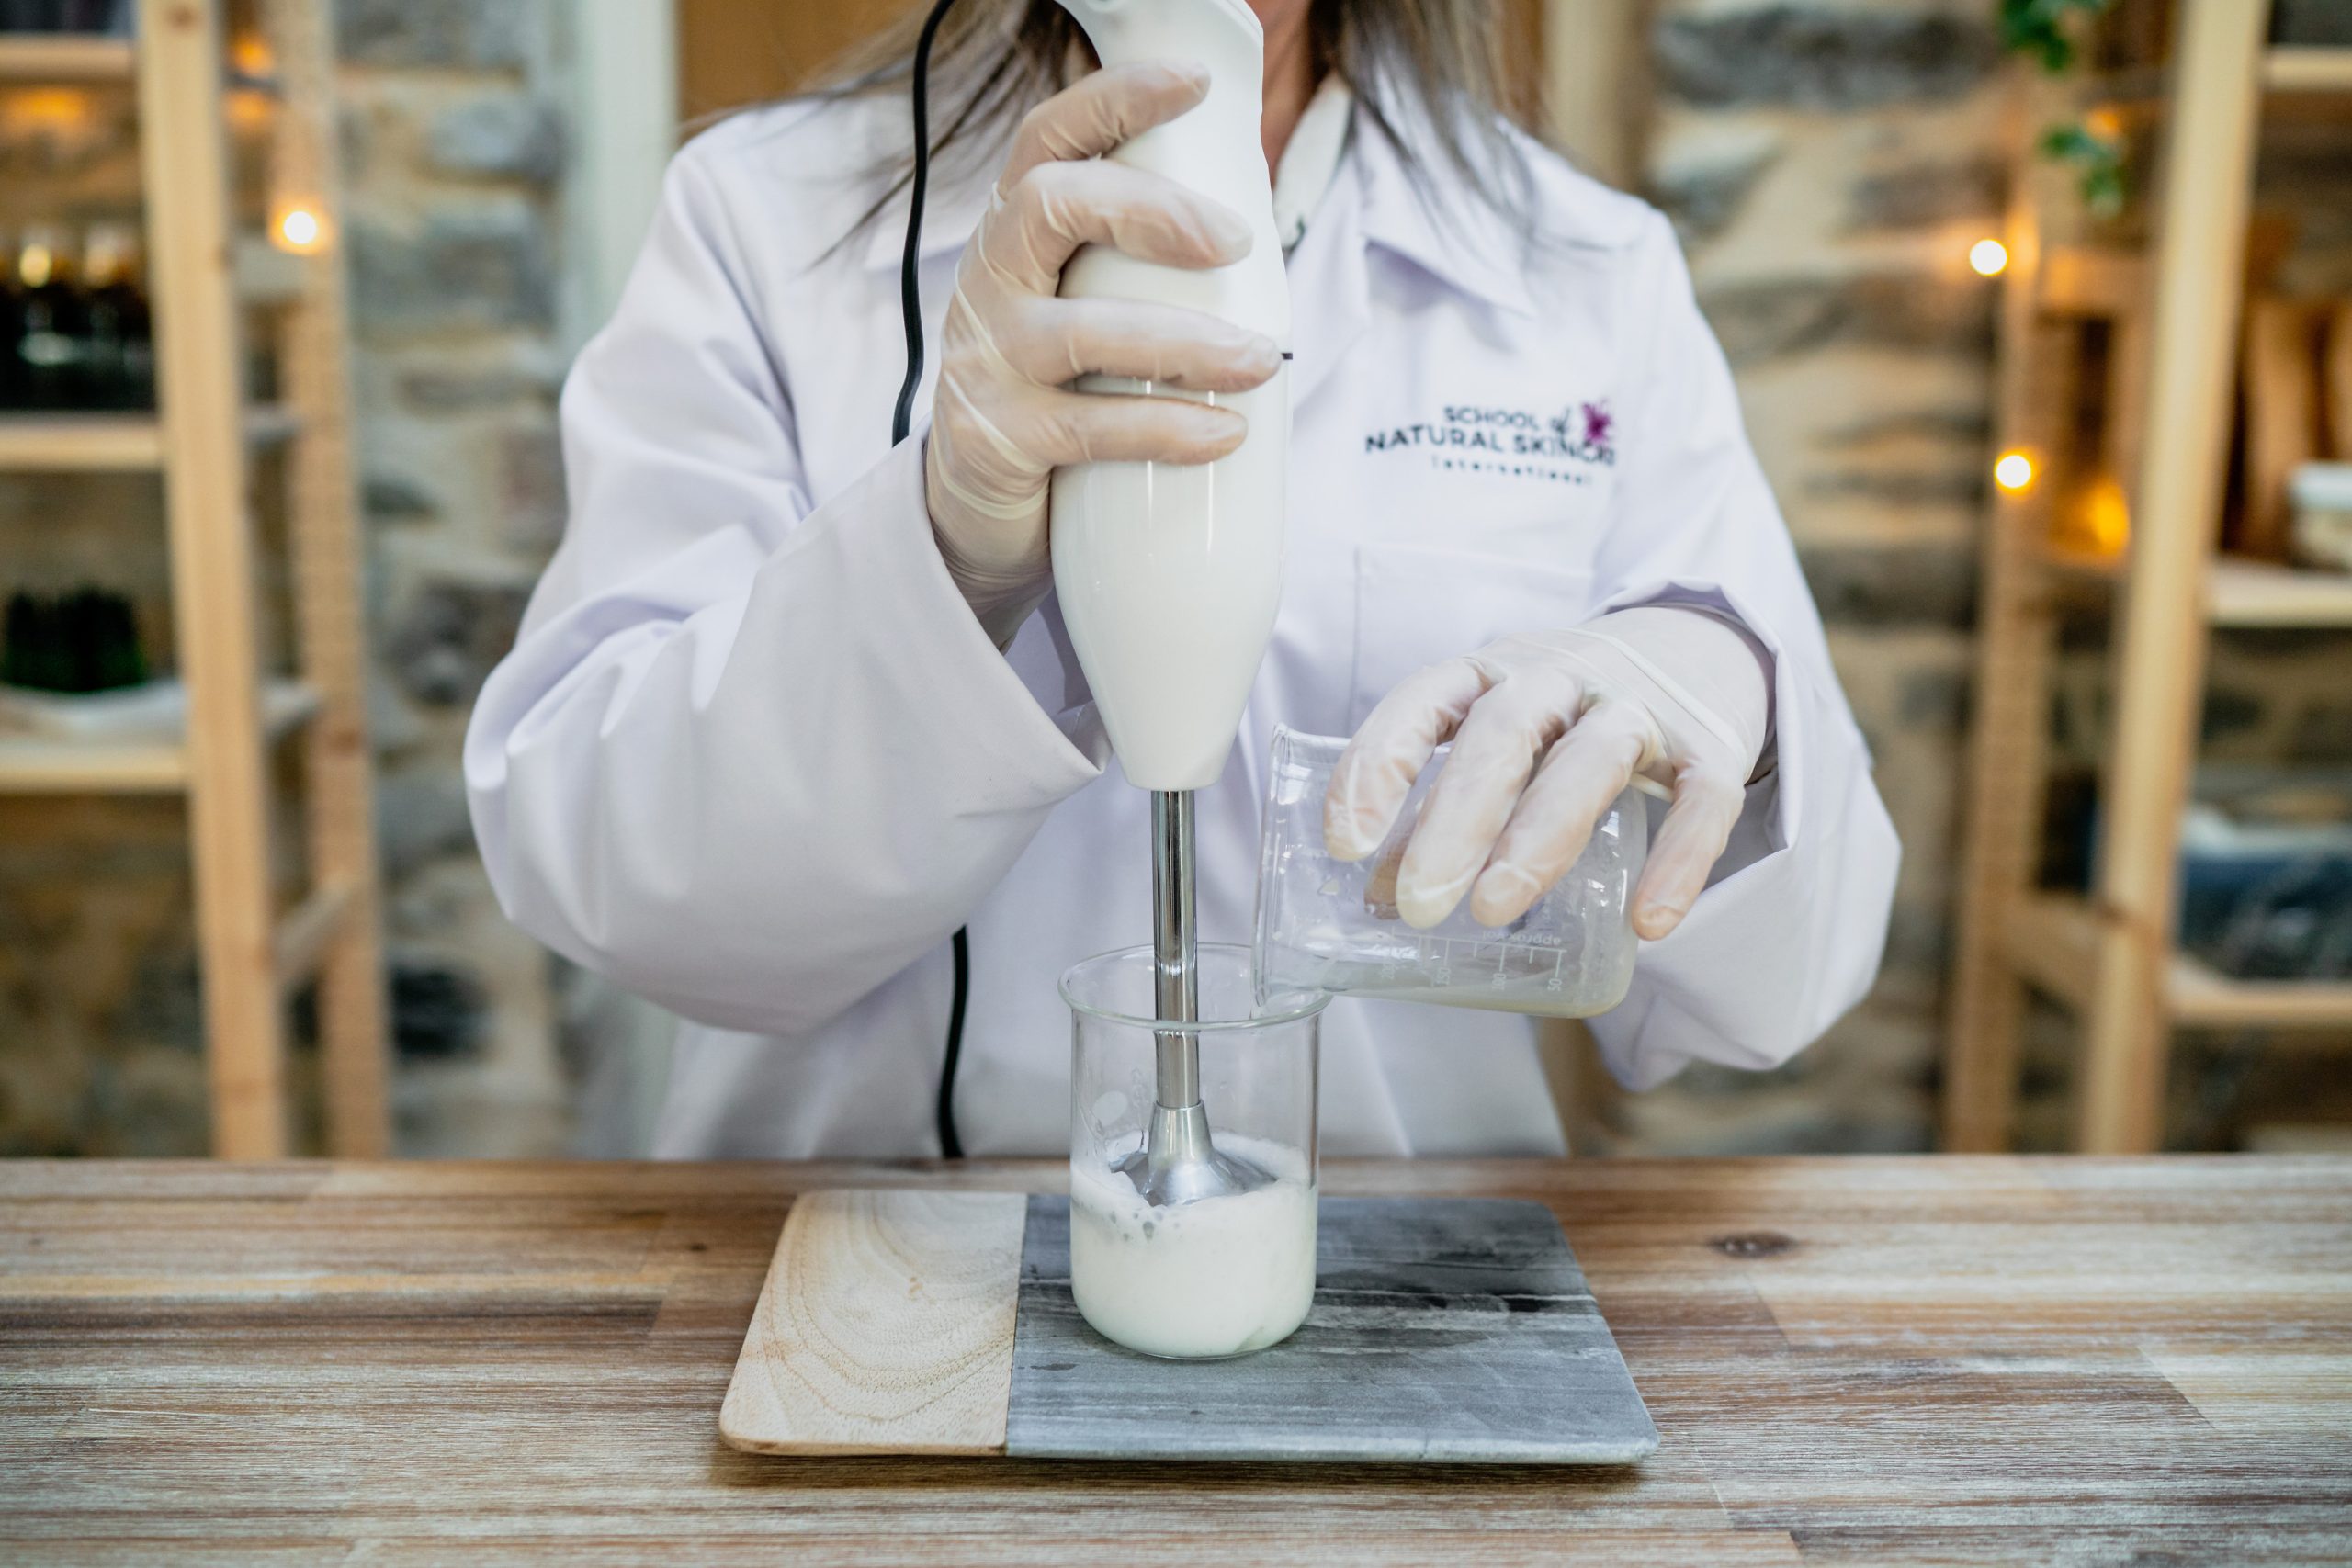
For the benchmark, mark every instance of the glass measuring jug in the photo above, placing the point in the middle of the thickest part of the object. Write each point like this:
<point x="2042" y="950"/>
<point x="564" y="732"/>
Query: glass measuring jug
<point x="1331" y="925"/>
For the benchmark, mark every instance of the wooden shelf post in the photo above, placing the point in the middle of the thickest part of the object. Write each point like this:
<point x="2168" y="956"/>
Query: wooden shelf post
<point x="199" y="357"/>
<point x="2176" y="502"/>
<point x="323" y="503"/>
<point x="2014" y="649"/>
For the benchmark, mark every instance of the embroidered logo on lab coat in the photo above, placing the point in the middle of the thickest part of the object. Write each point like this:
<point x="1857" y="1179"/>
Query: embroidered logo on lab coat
<point x="1566" y="447"/>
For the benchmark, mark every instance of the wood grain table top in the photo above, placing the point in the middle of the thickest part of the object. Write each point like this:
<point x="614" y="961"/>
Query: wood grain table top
<point x="1849" y="1361"/>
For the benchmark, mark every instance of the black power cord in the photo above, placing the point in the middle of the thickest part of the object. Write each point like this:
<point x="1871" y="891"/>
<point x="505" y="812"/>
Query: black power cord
<point x="902" y="420"/>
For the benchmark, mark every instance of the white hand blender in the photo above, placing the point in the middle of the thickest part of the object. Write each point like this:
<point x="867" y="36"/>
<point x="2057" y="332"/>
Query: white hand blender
<point x="1167" y="574"/>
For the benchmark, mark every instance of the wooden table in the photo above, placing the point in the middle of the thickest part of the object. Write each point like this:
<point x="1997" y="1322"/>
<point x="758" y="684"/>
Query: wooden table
<point x="1867" y="1360"/>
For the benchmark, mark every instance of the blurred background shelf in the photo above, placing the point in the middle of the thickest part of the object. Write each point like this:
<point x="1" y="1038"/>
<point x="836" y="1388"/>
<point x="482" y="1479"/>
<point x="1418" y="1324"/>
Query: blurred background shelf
<point x="55" y="442"/>
<point x="2201" y="996"/>
<point x="2053" y="942"/>
<point x="47" y="765"/>
<point x="2289" y="72"/>
<point x="66" y="58"/>
<point x="2241" y="592"/>
<point x="2308" y="70"/>
<point x="97" y="443"/>
<point x="82" y="767"/>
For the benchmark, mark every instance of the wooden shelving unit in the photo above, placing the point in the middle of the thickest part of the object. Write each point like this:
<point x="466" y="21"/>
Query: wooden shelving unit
<point x="38" y="765"/>
<point x="2257" y="593"/>
<point x="2170" y="320"/>
<point x="209" y="284"/>
<point x="66" y="58"/>
<point x="99" y="443"/>
<point x="2307" y="70"/>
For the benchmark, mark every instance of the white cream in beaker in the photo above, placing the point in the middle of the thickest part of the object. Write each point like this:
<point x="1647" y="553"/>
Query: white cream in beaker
<point x="1220" y="1277"/>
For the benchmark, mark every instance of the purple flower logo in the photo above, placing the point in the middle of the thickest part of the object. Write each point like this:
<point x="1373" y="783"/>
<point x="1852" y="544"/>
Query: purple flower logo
<point x="1598" y="425"/>
<point x="1587" y="431"/>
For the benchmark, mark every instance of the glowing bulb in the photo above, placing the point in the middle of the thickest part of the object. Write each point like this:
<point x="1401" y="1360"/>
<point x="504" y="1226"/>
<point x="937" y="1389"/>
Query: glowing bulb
<point x="2107" y="517"/>
<point x="61" y="110"/>
<point x="299" y="229"/>
<point x="251" y="55"/>
<point x="249" y="110"/>
<point x="1989" y="257"/>
<point x="2014" y="471"/>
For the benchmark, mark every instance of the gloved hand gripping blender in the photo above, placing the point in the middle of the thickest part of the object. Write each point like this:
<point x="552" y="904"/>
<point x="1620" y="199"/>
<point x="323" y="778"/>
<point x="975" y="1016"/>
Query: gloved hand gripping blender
<point x="1168" y="574"/>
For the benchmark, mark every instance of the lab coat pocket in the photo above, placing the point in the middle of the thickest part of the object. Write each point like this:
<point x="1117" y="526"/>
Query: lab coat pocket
<point x="1415" y="606"/>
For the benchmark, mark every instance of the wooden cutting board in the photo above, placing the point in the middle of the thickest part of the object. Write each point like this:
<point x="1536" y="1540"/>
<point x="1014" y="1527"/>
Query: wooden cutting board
<point x="1444" y="1330"/>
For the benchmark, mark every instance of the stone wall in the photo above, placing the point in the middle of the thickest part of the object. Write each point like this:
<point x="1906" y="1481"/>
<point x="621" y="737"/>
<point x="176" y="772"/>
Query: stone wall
<point x="454" y="155"/>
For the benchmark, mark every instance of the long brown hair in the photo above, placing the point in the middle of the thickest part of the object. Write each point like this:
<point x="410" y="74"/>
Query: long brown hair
<point x="1441" y="67"/>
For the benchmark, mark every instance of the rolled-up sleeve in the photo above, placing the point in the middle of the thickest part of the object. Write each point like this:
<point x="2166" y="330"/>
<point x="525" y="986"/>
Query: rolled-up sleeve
<point x="1790" y="930"/>
<point x="751" y="755"/>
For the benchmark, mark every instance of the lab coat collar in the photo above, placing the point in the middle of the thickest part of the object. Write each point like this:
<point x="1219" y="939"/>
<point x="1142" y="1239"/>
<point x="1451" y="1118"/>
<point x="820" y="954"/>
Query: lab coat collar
<point x="1463" y="243"/>
<point x="1331" y="288"/>
<point x="1454" y="237"/>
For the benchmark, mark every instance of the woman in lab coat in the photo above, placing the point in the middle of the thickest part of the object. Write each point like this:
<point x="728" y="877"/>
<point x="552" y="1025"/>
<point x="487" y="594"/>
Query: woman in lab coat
<point x="791" y="704"/>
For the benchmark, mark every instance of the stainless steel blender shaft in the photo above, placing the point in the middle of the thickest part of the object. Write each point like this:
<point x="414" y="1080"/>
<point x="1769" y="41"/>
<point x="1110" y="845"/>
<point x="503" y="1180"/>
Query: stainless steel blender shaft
<point x="1176" y="991"/>
<point x="1178" y="1164"/>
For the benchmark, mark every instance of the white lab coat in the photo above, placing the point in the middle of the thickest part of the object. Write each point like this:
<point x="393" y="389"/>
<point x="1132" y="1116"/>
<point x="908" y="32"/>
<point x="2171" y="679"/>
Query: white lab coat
<point x="754" y="758"/>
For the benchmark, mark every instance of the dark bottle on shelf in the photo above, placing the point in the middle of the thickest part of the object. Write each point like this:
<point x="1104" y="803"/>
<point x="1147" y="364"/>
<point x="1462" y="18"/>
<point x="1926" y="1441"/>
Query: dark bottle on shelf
<point x="33" y="15"/>
<point x="52" y="329"/>
<point x="118" y="361"/>
<point x="66" y="16"/>
<point x="85" y="640"/>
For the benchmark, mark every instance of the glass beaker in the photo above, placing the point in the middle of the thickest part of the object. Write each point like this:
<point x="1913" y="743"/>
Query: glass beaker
<point x="1220" y="1276"/>
<point x="1331" y="925"/>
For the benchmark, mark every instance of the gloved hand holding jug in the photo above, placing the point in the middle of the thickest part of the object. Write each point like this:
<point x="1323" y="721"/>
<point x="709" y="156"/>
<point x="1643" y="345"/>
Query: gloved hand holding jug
<point x="1547" y="728"/>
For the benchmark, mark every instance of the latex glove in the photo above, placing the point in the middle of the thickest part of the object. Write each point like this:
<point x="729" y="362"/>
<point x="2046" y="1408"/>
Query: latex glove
<point x="1004" y="419"/>
<point x="1672" y="693"/>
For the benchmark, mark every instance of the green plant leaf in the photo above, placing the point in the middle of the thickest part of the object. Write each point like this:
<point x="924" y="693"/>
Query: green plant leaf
<point x="2103" y="183"/>
<point x="2039" y="27"/>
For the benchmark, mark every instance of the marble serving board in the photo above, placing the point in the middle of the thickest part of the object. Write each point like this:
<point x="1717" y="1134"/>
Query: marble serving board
<point x="1444" y="1330"/>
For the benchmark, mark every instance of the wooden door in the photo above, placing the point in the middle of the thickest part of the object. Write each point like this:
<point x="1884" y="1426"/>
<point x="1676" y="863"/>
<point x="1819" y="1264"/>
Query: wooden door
<point x="732" y="53"/>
